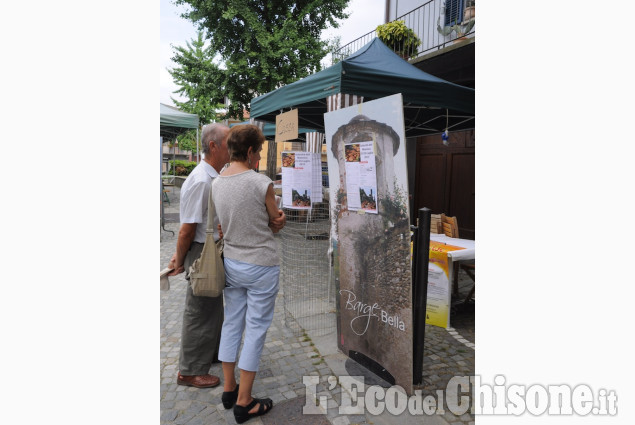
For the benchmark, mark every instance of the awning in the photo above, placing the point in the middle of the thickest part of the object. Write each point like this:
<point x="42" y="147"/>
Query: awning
<point x="374" y="71"/>
<point x="174" y="122"/>
<point x="270" y="128"/>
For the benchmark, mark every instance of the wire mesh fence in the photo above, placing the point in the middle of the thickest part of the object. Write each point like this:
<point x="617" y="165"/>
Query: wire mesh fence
<point x="307" y="281"/>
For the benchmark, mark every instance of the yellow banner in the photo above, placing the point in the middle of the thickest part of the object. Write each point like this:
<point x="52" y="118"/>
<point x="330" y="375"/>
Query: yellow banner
<point x="438" y="302"/>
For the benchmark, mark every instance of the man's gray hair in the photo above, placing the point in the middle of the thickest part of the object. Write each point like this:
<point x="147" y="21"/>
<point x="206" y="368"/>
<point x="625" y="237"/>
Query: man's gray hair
<point x="213" y="131"/>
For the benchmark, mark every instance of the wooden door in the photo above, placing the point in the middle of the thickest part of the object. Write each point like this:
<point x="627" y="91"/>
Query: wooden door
<point x="444" y="178"/>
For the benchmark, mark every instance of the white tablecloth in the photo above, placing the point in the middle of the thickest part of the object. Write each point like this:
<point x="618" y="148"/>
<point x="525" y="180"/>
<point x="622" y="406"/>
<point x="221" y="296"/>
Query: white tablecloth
<point x="469" y="253"/>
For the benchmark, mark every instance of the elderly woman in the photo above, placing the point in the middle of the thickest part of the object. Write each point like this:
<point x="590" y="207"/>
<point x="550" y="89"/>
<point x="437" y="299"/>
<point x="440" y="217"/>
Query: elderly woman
<point x="246" y="205"/>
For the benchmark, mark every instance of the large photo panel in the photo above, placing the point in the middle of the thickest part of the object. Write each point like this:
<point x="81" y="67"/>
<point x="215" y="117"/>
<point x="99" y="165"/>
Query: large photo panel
<point x="370" y="236"/>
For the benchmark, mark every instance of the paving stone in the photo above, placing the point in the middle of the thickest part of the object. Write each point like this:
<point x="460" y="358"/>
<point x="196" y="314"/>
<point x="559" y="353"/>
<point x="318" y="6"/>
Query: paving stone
<point x="168" y="396"/>
<point x="290" y="394"/>
<point x="183" y="395"/>
<point x="341" y="420"/>
<point x="449" y="416"/>
<point x="169" y="415"/>
<point x="183" y="418"/>
<point x="466" y="417"/>
<point x="277" y="398"/>
<point x="357" y="419"/>
<point x="197" y="420"/>
<point x="182" y="404"/>
<point x="167" y="405"/>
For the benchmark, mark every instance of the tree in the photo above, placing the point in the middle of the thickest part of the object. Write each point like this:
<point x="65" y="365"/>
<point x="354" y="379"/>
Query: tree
<point x="334" y="46"/>
<point x="199" y="78"/>
<point x="264" y="44"/>
<point x="187" y="141"/>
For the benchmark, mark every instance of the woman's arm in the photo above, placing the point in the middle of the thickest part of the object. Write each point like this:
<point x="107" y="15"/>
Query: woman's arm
<point x="273" y="211"/>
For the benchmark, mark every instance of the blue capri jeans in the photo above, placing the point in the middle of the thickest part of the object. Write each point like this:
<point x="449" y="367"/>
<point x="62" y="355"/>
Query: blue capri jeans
<point x="250" y="297"/>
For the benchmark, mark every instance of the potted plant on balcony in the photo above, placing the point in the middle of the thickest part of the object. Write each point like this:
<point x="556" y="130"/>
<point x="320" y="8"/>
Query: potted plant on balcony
<point x="468" y="13"/>
<point x="468" y="20"/>
<point x="401" y="39"/>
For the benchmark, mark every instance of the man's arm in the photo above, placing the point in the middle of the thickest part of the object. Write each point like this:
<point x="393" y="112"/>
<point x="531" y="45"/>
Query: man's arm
<point x="183" y="242"/>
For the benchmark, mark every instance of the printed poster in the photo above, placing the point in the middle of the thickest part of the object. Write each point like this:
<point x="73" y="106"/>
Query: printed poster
<point x="316" y="177"/>
<point x="299" y="176"/>
<point x="439" y="296"/>
<point x="361" y="178"/>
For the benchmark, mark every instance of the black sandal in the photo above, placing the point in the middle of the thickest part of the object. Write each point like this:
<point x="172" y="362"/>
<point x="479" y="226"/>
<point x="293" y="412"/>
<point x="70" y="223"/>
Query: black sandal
<point x="241" y="413"/>
<point x="229" y="398"/>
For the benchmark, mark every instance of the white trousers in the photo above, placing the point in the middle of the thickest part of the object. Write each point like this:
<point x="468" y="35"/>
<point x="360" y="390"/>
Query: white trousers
<point x="250" y="298"/>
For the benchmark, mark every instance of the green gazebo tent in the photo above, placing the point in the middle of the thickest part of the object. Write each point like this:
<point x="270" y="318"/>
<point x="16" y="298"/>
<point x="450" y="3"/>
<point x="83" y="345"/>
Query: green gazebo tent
<point x="269" y="129"/>
<point x="172" y="123"/>
<point x="430" y="104"/>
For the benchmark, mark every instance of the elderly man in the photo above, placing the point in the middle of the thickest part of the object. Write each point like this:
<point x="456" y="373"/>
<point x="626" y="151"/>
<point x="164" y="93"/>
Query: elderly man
<point x="203" y="316"/>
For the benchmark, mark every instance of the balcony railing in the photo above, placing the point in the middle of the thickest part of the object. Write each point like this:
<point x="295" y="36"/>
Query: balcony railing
<point x="437" y="23"/>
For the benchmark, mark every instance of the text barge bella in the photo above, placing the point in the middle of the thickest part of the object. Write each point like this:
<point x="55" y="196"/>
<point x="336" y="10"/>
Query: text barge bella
<point x="366" y="311"/>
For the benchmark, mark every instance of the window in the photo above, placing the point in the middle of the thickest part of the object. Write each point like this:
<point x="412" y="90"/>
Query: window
<point x="454" y="12"/>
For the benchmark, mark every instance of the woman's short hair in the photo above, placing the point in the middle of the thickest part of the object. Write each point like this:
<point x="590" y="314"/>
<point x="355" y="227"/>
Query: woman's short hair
<point x="241" y="138"/>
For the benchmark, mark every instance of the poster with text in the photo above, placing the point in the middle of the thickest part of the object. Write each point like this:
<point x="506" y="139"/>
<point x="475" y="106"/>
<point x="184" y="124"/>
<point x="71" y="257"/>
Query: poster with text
<point x="370" y="236"/>
<point x="361" y="178"/>
<point x="299" y="189"/>
<point x="439" y="296"/>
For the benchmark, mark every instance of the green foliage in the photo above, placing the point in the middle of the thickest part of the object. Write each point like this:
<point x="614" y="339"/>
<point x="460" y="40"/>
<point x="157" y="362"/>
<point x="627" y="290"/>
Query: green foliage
<point x="264" y="44"/>
<point x="334" y="45"/>
<point x="200" y="80"/>
<point x="399" y="37"/>
<point x="182" y="168"/>
<point x="187" y="141"/>
<point x="394" y="206"/>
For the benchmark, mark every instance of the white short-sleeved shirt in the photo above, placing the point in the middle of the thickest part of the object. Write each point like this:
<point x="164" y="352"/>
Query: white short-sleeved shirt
<point x="194" y="198"/>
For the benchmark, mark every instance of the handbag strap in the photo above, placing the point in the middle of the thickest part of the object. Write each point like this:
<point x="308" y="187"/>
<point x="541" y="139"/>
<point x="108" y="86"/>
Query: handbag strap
<point x="211" y="211"/>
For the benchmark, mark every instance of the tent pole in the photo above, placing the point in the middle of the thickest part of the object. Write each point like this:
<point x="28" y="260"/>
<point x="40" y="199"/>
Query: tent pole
<point x="161" y="181"/>
<point x="161" y="189"/>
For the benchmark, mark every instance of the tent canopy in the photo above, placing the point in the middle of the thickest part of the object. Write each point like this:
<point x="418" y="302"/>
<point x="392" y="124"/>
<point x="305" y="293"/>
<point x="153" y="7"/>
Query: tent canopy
<point x="270" y="128"/>
<point x="374" y="71"/>
<point x="174" y="122"/>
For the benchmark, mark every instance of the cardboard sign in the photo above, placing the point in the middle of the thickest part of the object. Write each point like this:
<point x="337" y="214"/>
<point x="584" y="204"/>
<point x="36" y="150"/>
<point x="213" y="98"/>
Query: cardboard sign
<point x="287" y="126"/>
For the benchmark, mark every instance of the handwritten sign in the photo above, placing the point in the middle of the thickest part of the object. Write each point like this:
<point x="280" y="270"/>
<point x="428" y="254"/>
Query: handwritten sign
<point x="287" y="126"/>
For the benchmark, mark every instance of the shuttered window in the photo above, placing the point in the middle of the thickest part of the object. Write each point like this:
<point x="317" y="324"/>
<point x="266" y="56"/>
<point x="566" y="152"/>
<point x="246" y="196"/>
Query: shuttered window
<point x="454" y="12"/>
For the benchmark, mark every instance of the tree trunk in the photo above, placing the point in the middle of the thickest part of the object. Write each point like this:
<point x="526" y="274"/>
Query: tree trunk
<point x="272" y="155"/>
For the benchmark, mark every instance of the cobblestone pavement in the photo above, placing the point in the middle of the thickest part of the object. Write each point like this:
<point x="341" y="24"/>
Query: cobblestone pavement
<point x="291" y="353"/>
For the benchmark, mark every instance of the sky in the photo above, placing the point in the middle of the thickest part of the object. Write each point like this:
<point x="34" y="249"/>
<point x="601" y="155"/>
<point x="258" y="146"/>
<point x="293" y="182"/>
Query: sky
<point x="364" y="17"/>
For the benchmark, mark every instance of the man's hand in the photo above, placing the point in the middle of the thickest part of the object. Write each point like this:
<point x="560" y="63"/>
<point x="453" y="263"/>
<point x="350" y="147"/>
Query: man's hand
<point x="183" y="243"/>
<point x="220" y="232"/>
<point x="278" y="223"/>
<point x="177" y="270"/>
